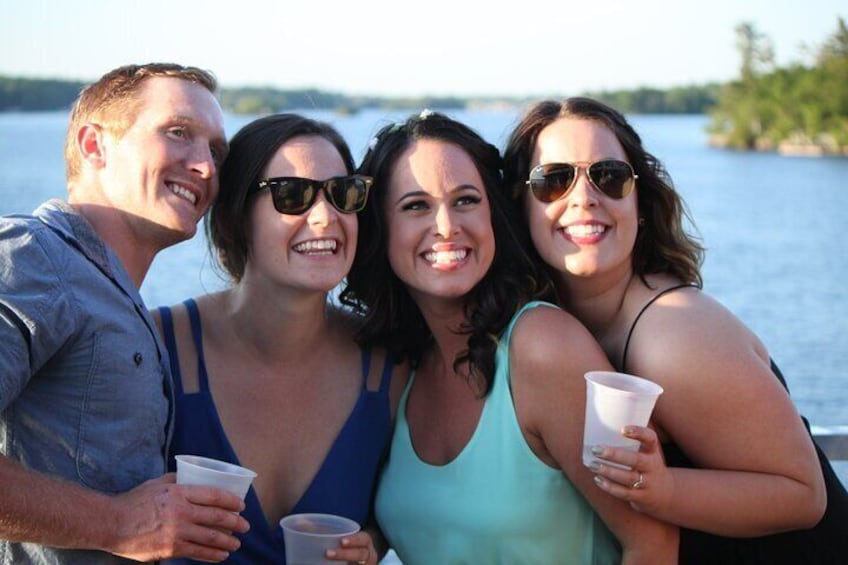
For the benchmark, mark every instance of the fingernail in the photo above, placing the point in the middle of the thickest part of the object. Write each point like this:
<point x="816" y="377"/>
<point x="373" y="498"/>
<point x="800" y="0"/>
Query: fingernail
<point x="595" y="466"/>
<point x="331" y="553"/>
<point x="629" y="430"/>
<point x="597" y="450"/>
<point x="599" y="481"/>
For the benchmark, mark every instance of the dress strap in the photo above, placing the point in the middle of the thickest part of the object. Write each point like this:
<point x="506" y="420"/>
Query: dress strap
<point x="642" y="311"/>
<point x="366" y="366"/>
<point x="171" y="346"/>
<point x="385" y="377"/>
<point x="197" y="336"/>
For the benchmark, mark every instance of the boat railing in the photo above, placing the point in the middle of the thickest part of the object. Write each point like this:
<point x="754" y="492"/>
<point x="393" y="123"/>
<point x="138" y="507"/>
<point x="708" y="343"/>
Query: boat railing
<point x="833" y="440"/>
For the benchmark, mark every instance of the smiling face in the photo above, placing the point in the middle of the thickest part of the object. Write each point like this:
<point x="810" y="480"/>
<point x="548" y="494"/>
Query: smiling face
<point x="312" y="251"/>
<point x="440" y="238"/>
<point x="585" y="233"/>
<point x="162" y="171"/>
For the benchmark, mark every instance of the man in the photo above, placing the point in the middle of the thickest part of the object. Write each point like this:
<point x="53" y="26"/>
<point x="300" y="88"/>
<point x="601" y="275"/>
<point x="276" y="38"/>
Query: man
<point x="85" y="392"/>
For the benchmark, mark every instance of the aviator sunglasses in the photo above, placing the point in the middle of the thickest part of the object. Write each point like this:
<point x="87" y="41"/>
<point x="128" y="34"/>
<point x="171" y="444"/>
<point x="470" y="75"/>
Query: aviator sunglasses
<point x="295" y="195"/>
<point x="552" y="181"/>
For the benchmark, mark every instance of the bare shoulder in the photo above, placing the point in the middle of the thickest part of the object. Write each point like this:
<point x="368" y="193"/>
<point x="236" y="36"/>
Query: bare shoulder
<point x="550" y="341"/>
<point x="688" y="320"/>
<point x="546" y="327"/>
<point x="382" y="364"/>
<point x="695" y="347"/>
<point x="177" y="313"/>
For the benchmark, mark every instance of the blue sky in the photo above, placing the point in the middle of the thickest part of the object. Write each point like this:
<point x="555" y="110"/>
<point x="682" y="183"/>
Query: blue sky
<point x="396" y="48"/>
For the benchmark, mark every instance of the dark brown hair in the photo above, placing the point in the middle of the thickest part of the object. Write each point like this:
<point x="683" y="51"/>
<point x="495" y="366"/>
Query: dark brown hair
<point x="227" y="222"/>
<point x="392" y="318"/>
<point x="662" y="243"/>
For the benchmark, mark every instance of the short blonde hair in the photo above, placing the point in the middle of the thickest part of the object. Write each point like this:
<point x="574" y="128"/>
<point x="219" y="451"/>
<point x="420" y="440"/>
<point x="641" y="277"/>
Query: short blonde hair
<point x="112" y="102"/>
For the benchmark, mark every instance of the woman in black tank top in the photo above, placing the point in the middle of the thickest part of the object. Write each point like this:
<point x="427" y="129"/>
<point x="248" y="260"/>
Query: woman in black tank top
<point x="729" y="461"/>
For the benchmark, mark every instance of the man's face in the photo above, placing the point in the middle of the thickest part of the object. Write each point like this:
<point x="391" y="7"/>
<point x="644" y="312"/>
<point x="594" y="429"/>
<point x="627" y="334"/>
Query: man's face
<point x="163" y="171"/>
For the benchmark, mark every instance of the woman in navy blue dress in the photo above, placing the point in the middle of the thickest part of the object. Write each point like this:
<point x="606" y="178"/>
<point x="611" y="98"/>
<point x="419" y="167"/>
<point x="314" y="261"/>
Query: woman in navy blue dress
<point x="267" y="371"/>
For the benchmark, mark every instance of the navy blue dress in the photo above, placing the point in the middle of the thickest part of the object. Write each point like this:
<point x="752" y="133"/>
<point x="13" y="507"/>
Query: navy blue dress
<point x="343" y="485"/>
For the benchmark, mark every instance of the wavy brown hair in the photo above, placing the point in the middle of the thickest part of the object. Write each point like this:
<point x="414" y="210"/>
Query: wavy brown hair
<point x="662" y="243"/>
<point x="392" y="319"/>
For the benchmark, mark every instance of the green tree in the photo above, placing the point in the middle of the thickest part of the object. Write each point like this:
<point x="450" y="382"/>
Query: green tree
<point x="756" y="51"/>
<point x="768" y="106"/>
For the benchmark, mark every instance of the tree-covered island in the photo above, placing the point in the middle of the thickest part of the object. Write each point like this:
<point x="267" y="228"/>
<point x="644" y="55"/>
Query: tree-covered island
<point x="799" y="109"/>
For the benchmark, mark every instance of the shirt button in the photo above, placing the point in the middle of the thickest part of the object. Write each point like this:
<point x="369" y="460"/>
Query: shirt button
<point x="138" y="359"/>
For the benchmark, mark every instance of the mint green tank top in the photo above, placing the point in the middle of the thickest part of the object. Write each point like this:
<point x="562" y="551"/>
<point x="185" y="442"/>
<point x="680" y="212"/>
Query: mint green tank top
<point x="495" y="503"/>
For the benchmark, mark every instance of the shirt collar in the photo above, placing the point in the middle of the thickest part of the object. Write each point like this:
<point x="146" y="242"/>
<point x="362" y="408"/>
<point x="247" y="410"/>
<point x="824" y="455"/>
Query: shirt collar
<point x="77" y="231"/>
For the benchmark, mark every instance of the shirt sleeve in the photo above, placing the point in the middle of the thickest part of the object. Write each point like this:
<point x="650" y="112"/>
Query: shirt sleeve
<point x="36" y="313"/>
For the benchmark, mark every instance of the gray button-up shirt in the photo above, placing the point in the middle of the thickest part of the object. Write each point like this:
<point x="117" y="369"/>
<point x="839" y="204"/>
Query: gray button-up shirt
<point x="85" y="390"/>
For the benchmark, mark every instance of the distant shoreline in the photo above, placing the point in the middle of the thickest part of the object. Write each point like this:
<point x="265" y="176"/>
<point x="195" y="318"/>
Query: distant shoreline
<point x="28" y="94"/>
<point x="796" y="146"/>
<point x="22" y="95"/>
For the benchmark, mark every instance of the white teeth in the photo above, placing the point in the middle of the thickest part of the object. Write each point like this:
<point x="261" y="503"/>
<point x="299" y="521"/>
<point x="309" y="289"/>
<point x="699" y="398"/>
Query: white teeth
<point x="585" y="229"/>
<point x="445" y="257"/>
<point x="317" y="247"/>
<point x="182" y="192"/>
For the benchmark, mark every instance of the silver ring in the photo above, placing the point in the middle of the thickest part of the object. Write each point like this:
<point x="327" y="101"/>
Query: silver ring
<point x="638" y="484"/>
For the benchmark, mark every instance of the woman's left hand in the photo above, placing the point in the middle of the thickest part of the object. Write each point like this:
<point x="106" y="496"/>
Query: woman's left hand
<point x="357" y="548"/>
<point x="648" y="485"/>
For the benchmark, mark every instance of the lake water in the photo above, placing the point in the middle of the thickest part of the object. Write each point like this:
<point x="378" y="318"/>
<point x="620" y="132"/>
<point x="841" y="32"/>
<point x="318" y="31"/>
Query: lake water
<point x="772" y="225"/>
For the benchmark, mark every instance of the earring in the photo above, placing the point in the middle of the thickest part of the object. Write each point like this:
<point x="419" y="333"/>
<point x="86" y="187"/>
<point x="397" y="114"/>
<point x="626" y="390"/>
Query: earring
<point x="641" y="222"/>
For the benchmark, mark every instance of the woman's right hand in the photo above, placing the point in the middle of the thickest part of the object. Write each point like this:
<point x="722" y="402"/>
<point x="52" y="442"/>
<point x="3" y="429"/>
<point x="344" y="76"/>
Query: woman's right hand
<point x="357" y="548"/>
<point x="648" y="485"/>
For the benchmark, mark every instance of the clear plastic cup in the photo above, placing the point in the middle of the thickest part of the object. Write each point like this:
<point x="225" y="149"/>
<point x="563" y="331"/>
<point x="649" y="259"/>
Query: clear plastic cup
<point x="615" y="400"/>
<point x="197" y="470"/>
<point x="308" y="536"/>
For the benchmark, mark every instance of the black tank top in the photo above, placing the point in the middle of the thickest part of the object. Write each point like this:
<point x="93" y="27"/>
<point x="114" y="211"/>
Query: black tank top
<point x="824" y="544"/>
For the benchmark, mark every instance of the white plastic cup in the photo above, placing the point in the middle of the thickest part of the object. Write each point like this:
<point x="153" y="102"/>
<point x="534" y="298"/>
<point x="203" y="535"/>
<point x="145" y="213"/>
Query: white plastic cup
<point x="308" y="536"/>
<point x="613" y="401"/>
<point x="197" y="470"/>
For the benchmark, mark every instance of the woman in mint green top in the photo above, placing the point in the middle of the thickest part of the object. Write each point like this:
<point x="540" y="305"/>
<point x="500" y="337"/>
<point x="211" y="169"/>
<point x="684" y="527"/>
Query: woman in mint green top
<point x="546" y="517"/>
<point x="485" y="464"/>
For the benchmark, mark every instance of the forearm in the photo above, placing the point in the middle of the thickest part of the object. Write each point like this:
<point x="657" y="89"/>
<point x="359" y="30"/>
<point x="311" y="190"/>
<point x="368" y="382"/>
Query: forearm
<point x="648" y="542"/>
<point x="644" y="538"/>
<point x="47" y="511"/>
<point x="740" y="504"/>
<point x="657" y="551"/>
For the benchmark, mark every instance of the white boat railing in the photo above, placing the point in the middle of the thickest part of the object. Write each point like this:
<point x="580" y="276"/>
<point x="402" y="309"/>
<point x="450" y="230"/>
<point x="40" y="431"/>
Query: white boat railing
<point x="833" y="440"/>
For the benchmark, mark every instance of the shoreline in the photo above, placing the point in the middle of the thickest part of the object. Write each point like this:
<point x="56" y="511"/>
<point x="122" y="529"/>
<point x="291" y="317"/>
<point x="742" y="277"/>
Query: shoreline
<point x="797" y="145"/>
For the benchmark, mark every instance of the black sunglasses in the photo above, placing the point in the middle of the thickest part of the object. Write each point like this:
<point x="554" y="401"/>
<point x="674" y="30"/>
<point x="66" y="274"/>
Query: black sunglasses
<point x="552" y="181"/>
<point x="295" y="195"/>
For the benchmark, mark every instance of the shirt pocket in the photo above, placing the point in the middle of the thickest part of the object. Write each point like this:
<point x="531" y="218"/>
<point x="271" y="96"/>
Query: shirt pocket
<point x="123" y="414"/>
